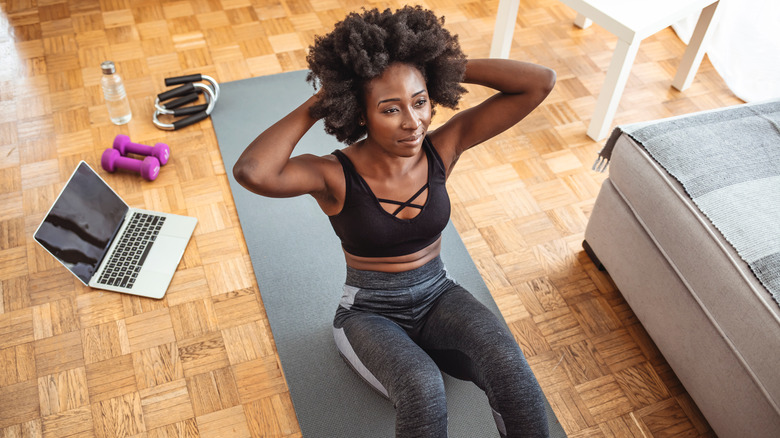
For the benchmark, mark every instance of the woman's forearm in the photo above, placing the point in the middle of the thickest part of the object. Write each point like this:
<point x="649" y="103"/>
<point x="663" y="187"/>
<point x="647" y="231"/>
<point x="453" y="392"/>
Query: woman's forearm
<point x="510" y="76"/>
<point x="521" y="87"/>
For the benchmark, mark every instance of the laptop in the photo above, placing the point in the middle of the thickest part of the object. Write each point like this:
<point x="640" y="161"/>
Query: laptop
<point x="108" y="245"/>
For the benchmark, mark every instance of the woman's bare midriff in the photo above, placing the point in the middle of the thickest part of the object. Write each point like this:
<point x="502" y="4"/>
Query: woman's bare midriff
<point x="395" y="264"/>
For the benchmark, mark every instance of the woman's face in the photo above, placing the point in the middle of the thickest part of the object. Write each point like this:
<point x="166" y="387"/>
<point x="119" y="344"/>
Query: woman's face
<point x="398" y="111"/>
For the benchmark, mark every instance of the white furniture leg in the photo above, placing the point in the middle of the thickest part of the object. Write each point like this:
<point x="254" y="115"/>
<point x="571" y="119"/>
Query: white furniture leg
<point x="694" y="53"/>
<point x="504" y="28"/>
<point x="615" y="82"/>
<point x="631" y="21"/>
<point x="582" y="21"/>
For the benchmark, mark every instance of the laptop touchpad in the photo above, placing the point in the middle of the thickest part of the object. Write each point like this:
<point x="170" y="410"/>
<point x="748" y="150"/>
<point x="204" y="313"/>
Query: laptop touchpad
<point x="165" y="254"/>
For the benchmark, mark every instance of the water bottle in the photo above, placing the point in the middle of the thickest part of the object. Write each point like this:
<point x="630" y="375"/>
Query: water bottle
<point x="114" y="93"/>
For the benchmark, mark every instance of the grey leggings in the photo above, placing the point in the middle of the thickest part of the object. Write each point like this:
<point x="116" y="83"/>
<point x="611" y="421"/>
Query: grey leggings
<point x="399" y="331"/>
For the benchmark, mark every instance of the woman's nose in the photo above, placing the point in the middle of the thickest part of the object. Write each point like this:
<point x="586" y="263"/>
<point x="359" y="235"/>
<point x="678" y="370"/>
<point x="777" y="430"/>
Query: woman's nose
<point x="411" y="121"/>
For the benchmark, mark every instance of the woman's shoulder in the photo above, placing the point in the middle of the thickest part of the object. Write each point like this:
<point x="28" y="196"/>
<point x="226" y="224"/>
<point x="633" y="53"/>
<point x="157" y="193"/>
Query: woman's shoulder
<point x="445" y="147"/>
<point x="354" y="156"/>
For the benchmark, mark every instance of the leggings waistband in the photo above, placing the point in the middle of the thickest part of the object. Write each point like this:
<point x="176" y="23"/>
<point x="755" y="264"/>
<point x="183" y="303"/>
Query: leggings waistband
<point x="393" y="280"/>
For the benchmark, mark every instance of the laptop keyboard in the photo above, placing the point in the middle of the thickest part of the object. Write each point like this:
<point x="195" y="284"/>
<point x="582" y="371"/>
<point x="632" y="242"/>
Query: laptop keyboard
<point x="131" y="251"/>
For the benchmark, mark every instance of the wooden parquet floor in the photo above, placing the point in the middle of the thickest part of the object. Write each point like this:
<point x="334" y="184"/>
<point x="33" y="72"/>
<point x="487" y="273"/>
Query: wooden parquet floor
<point x="202" y="362"/>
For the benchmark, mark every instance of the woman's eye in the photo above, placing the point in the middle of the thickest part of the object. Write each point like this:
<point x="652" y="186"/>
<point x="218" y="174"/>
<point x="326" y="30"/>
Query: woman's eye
<point x="422" y="102"/>
<point x="390" y="110"/>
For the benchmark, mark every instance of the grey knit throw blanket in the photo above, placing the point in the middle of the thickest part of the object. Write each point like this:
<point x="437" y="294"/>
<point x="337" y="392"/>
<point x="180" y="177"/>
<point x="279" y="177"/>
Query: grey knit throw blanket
<point x="728" y="162"/>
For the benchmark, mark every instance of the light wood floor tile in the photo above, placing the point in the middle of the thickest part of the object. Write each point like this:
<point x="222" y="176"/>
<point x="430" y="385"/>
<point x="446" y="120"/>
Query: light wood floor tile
<point x="101" y="342"/>
<point x="182" y="429"/>
<point x="19" y="403"/>
<point x="29" y="429"/>
<point x="238" y="307"/>
<point x="203" y="353"/>
<point x="271" y="416"/>
<point x="166" y="404"/>
<point x="576" y="414"/>
<point x="213" y="391"/>
<point x="604" y="398"/>
<point x="59" y="353"/>
<point x="75" y="422"/>
<point x="157" y="365"/>
<point x="258" y="378"/>
<point x="111" y="378"/>
<point x="667" y="419"/>
<point x="612" y="348"/>
<point x="193" y="318"/>
<point x="642" y="385"/>
<point x="150" y="329"/>
<point x="54" y="318"/>
<point x="18" y="364"/>
<point x="623" y="426"/>
<point x="582" y="363"/>
<point x="95" y="307"/>
<point x="118" y="416"/>
<point x="248" y="341"/>
<point x="226" y="422"/>
<point x="63" y="391"/>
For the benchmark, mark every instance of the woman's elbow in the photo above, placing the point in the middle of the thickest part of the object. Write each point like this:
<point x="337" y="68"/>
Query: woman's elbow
<point x="547" y="81"/>
<point x="543" y="85"/>
<point x="245" y="173"/>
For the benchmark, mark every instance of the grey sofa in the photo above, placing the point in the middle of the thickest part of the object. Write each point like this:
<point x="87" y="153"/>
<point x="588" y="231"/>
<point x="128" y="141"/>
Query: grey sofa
<point x="716" y="324"/>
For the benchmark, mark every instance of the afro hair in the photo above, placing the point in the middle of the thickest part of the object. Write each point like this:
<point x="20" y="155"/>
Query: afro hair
<point x="363" y="45"/>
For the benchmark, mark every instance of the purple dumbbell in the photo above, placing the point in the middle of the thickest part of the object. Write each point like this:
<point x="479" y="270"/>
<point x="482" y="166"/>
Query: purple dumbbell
<point x="161" y="151"/>
<point x="112" y="160"/>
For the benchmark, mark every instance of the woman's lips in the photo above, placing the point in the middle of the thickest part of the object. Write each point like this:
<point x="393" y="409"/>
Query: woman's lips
<point x="411" y="139"/>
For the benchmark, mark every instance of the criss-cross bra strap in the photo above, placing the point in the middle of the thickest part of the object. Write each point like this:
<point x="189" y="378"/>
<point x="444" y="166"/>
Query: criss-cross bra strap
<point x="408" y="203"/>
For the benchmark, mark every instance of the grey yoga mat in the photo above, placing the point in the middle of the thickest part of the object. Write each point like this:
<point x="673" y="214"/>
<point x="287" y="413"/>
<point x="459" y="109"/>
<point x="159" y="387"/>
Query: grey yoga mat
<point x="300" y="270"/>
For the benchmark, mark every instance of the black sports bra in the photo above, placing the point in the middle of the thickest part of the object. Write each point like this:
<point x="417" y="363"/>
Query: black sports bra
<point x="368" y="230"/>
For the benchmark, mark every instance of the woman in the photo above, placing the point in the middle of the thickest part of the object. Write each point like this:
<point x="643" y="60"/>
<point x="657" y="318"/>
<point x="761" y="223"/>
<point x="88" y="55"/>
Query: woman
<point x="402" y="319"/>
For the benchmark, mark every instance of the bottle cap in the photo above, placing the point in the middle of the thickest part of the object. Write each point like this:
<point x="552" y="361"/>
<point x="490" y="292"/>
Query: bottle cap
<point x="108" y="67"/>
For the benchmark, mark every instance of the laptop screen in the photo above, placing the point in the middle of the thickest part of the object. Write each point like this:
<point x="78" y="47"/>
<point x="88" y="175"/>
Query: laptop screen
<point x="80" y="225"/>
